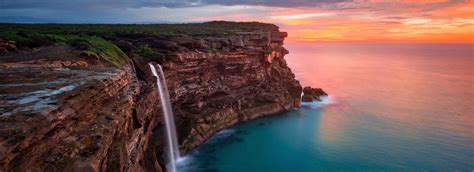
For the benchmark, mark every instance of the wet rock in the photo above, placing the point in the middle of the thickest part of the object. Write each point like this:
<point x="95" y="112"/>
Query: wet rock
<point x="307" y="98"/>
<point x="64" y="114"/>
<point x="109" y="119"/>
<point x="310" y="94"/>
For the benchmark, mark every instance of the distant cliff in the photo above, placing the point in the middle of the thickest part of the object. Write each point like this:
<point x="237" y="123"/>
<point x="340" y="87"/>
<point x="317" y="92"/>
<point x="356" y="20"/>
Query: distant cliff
<point x="81" y="97"/>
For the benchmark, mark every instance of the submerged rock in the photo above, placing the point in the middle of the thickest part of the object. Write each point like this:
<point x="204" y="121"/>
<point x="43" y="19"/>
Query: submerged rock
<point x="310" y="94"/>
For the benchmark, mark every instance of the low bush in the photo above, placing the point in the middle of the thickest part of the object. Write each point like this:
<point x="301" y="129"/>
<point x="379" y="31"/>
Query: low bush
<point x="105" y="49"/>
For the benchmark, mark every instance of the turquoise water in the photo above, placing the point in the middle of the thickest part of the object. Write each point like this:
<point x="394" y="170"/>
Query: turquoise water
<point x="392" y="107"/>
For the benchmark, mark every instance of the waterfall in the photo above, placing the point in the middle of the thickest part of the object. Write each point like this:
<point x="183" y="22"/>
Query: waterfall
<point x="172" y="143"/>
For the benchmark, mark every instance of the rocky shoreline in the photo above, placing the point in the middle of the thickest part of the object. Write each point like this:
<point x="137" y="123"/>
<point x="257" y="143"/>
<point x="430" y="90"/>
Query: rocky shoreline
<point x="65" y="108"/>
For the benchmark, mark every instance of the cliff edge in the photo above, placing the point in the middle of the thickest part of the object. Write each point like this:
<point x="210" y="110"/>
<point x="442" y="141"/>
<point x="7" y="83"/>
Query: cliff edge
<point x="81" y="97"/>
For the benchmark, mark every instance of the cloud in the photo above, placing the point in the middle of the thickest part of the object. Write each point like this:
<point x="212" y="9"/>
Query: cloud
<point x="321" y="4"/>
<point x="306" y="20"/>
<point x="303" y="16"/>
<point x="280" y="3"/>
<point x="137" y="11"/>
<point x="418" y="21"/>
<point x="85" y="4"/>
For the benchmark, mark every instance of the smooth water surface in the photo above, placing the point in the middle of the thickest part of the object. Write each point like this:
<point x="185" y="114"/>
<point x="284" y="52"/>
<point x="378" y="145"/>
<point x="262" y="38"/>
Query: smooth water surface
<point x="392" y="107"/>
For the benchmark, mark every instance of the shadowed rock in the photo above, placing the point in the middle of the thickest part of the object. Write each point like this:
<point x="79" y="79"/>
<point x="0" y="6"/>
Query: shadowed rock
<point x="310" y="94"/>
<point x="71" y="109"/>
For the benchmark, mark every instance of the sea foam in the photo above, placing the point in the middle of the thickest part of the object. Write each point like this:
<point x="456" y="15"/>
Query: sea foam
<point x="325" y="100"/>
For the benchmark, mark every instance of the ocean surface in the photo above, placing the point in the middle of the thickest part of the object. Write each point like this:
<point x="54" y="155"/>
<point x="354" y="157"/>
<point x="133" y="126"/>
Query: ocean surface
<point x="392" y="107"/>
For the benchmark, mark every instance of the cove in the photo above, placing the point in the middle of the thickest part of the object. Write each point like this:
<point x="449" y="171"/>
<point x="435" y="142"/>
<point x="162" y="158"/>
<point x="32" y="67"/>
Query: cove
<point x="278" y="143"/>
<point x="392" y="107"/>
<point x="310" y="139"/>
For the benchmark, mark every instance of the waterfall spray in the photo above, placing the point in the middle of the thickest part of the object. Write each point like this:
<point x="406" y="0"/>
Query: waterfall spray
<point x="173" y="150"/>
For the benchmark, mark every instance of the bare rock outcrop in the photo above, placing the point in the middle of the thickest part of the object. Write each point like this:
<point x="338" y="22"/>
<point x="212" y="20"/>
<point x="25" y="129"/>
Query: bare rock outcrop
<point x="70" y="110"/>
<point x="312" y="94"/>
<point x="6" y="46"/>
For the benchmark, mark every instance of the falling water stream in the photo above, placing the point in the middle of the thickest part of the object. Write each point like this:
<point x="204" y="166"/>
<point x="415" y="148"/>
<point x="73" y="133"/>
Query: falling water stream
<point x="172" y="143"/>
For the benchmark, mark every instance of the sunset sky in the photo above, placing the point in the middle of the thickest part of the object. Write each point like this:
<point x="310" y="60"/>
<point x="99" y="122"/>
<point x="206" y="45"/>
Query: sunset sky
<point x="305" y="20"/>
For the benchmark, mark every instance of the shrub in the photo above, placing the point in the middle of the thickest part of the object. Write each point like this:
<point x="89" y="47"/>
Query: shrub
<point x="105" y="49"/>
<point x="146" y="51"/>
<point x="151" y="54"/>
<point x="12" y="36"/>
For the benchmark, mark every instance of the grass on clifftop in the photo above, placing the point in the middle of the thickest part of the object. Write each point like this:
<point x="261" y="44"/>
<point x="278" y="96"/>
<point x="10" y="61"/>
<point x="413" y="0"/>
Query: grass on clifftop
<point x="215" y="28"/>
<point x="104" y="49"/>
<point x="90" y="37"/>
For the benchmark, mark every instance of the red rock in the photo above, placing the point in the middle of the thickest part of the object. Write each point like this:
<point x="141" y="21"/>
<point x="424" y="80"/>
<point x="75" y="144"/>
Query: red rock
<point x="315" y="93"/>
<point x="307" y="98"/>
<point x="111" y="120"/>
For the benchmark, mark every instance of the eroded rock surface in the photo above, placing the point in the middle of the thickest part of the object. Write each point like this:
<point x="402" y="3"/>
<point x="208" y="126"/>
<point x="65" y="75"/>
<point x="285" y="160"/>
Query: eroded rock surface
<point x="312" y="94"/>
<point x="71" y="111"/>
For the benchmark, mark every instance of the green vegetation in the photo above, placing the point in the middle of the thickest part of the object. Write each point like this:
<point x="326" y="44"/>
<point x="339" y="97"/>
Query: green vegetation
<point x="92" y="37"/>
<point x="32" y="38"/>
<point x="105" y="49"/>
<point x="151" y="54"/>
<point x="214" y="28"/>
<point x="147" y="52"/>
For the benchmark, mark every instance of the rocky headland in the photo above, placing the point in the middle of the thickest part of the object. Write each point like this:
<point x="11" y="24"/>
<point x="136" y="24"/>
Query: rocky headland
<point x="82" y="97"/>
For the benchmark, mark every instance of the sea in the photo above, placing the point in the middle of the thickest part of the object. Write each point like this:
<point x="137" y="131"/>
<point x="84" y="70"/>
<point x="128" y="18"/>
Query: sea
<point x="391" y="107"/>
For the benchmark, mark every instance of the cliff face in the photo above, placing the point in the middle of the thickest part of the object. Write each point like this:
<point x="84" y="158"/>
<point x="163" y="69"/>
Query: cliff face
<point x="211" y="91"/>
<point x="66" y="118"/>
<point x="71" y="110"/>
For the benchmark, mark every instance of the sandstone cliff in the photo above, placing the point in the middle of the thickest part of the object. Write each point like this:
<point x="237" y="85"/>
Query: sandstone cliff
<point x="64" y="108"/>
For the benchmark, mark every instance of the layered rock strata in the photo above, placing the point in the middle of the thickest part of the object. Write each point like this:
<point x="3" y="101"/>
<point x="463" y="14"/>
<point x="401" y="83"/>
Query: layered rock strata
<point x="68" y="111"/>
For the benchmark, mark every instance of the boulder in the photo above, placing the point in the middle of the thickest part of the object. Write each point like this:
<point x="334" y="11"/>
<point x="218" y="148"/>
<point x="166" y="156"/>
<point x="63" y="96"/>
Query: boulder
<point x="314" y="93"/>
<point x="113" y="121"/>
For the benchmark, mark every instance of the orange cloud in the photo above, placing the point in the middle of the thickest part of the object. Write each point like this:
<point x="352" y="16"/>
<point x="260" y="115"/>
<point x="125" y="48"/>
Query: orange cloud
<point x="370" y="21"/>
<point x="413" y="1"/>
<point x="454" y="23"/>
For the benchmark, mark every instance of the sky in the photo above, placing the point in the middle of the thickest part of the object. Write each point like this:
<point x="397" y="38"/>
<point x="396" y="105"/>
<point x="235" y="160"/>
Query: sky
<point x="433" y="21"/>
